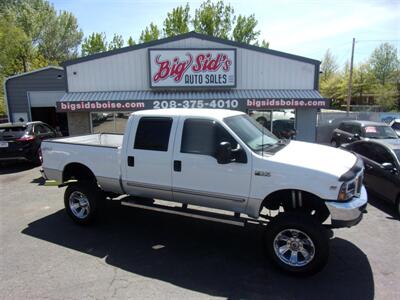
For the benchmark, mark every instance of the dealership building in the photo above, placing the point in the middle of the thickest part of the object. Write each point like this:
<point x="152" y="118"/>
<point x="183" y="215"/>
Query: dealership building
<point x="189" y="71"/>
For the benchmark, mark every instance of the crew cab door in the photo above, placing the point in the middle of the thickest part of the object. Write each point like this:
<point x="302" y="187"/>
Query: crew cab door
<point x="197" y="177"/>
<point x="148" y="160"/>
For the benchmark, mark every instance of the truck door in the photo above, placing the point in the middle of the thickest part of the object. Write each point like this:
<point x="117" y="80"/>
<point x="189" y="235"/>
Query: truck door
<point x="149" y="158"/>
<point x="197" y="177"/>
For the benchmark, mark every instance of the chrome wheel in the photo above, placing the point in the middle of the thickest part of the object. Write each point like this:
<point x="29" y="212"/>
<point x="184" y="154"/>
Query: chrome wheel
<point x="79" y="204"/>
<point x="294" y="248"/>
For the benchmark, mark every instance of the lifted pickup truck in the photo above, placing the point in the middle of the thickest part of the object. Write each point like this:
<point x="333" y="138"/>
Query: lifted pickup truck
<point x="218" y="159"/>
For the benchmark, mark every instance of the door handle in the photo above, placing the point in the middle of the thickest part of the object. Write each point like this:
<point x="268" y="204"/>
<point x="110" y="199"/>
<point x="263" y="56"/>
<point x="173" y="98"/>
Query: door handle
<point x="368" y="167"/>
<point x="177" y="166"/>
<point x="131" y="161"/>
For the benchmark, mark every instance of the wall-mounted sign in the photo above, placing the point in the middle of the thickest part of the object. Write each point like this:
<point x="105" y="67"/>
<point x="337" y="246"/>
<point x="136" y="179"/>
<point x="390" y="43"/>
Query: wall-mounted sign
<point x="180" y="68"/>
<point x="229" y="103"/>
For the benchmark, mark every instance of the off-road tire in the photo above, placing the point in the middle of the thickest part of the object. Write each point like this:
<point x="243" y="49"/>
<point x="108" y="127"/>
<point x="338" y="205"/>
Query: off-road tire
<point x="94" y="198"/>
<point x="313" y="231"/>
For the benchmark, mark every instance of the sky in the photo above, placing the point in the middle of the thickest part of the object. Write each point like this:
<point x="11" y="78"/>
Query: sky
<point x="302" y="27"/>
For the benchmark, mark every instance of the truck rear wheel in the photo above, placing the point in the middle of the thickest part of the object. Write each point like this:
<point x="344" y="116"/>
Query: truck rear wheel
<point x="82" y="202"/>
<point x="297" y="243"/>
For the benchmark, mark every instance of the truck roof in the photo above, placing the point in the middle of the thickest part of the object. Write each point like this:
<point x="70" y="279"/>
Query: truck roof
<point x="192" y="112"/>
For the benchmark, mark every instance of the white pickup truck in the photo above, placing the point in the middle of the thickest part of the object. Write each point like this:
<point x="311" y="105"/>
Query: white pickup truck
<point x="218" y="159"/>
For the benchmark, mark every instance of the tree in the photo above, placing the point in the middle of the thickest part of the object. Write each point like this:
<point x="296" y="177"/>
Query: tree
<point x="94" y="43"/>
<point x="131" y="41"/>
<point x="264" y="44"/>
<point x="177" y="21"/>
<point x="329" y="65"/>
<point x="214" y="19"/>
<point x="384" y="62"/>
<point x="116" y="42"/>
<point x="56" y="36"/>
<point x="150" y="33"/>
<point x="244" y="30"/>
<point x="385" y="96"/>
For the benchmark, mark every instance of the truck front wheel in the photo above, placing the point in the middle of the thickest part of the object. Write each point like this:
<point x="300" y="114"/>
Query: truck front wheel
<point x="297" y="243"/>
<point x="82" y="201"/>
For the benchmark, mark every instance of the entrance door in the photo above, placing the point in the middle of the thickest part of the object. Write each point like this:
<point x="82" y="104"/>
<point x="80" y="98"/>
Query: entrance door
<point x="149" y="158"/>
<point x="198" y="178"/>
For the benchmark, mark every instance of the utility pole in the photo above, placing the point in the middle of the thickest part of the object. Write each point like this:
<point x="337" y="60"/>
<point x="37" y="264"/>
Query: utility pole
<point x="351" y="77"/>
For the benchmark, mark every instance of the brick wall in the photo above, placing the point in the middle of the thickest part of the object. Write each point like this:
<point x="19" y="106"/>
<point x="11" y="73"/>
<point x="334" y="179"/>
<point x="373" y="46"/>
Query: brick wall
<point x="78" y="123"/>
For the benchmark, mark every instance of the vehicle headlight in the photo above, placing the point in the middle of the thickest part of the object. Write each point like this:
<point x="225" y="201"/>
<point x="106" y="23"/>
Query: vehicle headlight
<point x="351" y="188"/>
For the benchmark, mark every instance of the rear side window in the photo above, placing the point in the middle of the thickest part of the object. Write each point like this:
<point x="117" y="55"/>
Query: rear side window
<point x="201" y="136"/>
<point x="153" y="134"/>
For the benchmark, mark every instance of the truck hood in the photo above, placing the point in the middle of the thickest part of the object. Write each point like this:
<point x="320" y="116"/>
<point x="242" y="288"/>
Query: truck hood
<point x="324" y="159"/>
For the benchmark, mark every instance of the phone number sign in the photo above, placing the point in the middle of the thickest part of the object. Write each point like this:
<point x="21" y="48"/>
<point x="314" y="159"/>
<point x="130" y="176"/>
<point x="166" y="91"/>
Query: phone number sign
<point x="180" y="68"/>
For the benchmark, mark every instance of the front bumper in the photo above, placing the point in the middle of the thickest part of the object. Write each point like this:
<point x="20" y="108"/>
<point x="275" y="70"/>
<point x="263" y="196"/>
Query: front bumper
<point x="349" y="213"/>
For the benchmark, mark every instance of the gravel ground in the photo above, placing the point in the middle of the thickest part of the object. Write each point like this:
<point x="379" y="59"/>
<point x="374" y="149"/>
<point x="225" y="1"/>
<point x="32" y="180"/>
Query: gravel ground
<point x="135" y="254"/>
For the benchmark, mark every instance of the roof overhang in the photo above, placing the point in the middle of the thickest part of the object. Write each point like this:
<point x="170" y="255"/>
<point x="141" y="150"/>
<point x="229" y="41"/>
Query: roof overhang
<point x="228" y="99"/>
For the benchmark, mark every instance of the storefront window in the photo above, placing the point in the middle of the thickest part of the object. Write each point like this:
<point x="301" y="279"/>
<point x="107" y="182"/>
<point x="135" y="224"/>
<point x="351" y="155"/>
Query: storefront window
<point x="109" y="122"/>
<point x="281" y="122"/>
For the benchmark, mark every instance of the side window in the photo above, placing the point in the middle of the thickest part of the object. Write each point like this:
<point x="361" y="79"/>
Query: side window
<point x="153" y="134"/>
<point x="41" y="129"/>
<point x="364" y="150"/>
<point x="382" y="155"/>
<point x="201" y="136"/>
<point x="355" y="129"/>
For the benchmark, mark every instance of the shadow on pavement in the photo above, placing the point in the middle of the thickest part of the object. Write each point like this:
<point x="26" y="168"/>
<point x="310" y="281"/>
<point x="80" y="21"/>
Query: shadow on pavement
<point x="15" y="167"/>
<point x="212" y="258"/>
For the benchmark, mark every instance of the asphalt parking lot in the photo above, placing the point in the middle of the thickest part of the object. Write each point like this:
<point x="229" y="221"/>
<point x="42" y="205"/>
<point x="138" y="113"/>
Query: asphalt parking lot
<point x="136" y="254"/>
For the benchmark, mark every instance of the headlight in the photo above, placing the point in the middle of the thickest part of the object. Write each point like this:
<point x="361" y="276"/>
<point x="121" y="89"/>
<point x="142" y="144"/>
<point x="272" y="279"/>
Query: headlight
<point x="351" y="188"/>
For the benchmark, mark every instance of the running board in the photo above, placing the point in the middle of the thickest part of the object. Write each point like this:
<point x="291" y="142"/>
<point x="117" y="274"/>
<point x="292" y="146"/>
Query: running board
<point x="187" y="212"/>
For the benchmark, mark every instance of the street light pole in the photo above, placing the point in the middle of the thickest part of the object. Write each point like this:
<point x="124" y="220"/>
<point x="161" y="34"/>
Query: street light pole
<point x="350" y="77"/>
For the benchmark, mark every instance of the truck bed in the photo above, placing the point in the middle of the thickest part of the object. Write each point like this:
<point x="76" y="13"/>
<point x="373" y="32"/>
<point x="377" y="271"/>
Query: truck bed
<point x="99" y="139"/>
<point x="99" y="152"/>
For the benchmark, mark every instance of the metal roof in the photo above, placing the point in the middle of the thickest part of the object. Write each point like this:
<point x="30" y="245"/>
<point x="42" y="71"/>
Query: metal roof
<point x="34" y="71"/>
<point x="191" y="34"/>
<point x="190" y="95"/>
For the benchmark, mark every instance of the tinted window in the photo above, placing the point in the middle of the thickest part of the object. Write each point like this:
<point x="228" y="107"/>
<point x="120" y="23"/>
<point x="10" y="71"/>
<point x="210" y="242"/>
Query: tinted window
<point x="345" y="127"/>
<point x="41" y="129"/>
<point x="201" y="136"/>
<point x="382" y="155"/>
<point x="355" y="129"/>
<point x="153" y="134"/>
<point x="9" y="133"/>
<point x="374" y="152"/>
<point x="396" y="126"/>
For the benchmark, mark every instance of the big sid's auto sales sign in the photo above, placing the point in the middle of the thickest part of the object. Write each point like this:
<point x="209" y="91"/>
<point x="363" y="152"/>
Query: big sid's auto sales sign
<point x="179" y="68"/>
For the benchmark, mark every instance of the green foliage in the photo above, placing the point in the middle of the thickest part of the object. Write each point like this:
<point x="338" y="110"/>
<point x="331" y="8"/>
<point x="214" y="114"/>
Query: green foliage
<point x="150" y="33"/>
<point x="56" y="36"/>
<point x="329" y="66"/>
<point x="244" y="30"/>
<point x="177" y="21"/>
<point x="94" y="43"/>
<point x="385" y="96"/>
<point x="131" y="41"/>
<point x="214" y="19"/>
<point x="384" y="62"/>
<point x="116" y="42"/>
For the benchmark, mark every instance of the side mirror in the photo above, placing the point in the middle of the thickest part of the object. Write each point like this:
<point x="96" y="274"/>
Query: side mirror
<point x="388" y="166"/>
<point x="224" y="153"/>
<point x="356" y="136"/>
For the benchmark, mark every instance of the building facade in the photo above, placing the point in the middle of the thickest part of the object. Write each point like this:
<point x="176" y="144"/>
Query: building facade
<point x="32" y="96"/>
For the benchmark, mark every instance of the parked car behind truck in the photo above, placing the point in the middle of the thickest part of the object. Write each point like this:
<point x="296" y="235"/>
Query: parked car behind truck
<point x="382" y="168"/>
<point x="21" y="141"/>
<point x="351" y="131"/>
<point x="219" y="159"/>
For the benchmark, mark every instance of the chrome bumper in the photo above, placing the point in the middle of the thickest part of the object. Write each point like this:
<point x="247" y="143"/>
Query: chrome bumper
<point x="347" y="214"/>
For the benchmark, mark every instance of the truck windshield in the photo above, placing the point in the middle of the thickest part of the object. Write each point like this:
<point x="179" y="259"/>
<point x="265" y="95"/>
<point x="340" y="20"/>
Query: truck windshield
<point x="252" y="133"/>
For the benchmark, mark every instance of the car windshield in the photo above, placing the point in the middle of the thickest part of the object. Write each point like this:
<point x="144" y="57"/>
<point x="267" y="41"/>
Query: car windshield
<point x="379" y="132"/>
<point x="254" y="135"/>
<point x="12" y="132"/>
